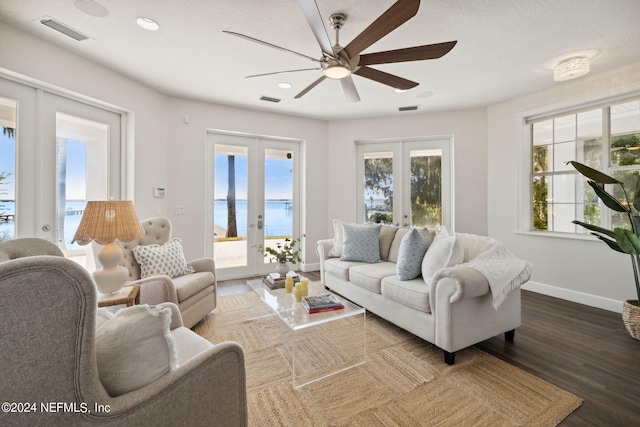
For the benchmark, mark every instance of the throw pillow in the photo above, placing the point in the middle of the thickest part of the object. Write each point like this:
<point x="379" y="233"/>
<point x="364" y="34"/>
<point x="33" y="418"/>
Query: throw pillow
<point x="361" y="243"/>
<point x="338" y="237"/>
<point x="135" y="348"/>
<point x="445" y="251"/>
<point x="167" y="259"/>
<point x="387" y="233"/>
<point x="413" y="246"/>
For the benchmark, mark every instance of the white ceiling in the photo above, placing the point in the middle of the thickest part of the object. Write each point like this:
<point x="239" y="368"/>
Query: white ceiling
<point x="506" y="48"/>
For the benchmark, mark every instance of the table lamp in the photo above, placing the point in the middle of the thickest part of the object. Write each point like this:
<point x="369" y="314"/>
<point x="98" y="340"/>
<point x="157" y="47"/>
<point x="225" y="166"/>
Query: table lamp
<point x="104" y="222"/>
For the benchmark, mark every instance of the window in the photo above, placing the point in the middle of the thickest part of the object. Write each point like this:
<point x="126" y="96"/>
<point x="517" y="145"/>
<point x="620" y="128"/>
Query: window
<point x="606" y="138"/>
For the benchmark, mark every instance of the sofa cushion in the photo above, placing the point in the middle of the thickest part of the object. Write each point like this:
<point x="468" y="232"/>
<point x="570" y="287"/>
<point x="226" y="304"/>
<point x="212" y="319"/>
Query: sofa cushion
<point x="135" y="348"/>
<point x="394" y="250"/>
<point x="338" y="236"/>
<point x="445" y="251"/>
<point x="190" y="284"/>
<point x="339" y="269"/>
<point x="387" y="234"/>
<point x="167" y="259"/>
<point x="369" y="276"/>
<point x="412" y="293"/>
<point x="361" y="243"/>
<point x="413" y="246"/>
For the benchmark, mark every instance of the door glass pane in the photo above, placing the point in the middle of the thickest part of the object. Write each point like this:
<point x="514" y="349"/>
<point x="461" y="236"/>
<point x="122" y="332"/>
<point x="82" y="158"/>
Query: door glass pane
<point x="378" y="187"/>
<point x="230" y="206"/>
<point x="278" y="198"/>
<point x="7" y="168"/>
<point x="81" y="174"/>
<point x="426" y="188"/>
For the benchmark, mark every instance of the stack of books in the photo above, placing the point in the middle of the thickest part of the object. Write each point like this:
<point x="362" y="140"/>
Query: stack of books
<point x="276" y="280"/>
<point x="320" y="303"/>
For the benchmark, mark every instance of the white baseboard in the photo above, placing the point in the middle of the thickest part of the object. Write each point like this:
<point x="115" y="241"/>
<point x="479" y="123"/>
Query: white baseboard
<point x="575" y="296"/>
<point x="310" y="267"/>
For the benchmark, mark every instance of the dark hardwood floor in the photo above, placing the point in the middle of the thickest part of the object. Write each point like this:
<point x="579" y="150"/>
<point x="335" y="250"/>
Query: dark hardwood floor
<point x="581" y="349"/>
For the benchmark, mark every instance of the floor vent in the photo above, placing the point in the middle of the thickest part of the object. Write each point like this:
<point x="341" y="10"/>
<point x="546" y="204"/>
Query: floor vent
<point x="64" y="29"/>
<point x="411" y="108"/>
<point x="268" y="98"/>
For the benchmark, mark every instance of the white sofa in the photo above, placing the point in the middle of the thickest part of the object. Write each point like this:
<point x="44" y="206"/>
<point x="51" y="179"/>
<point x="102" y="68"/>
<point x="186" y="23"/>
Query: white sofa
<point x="454" y="308"/>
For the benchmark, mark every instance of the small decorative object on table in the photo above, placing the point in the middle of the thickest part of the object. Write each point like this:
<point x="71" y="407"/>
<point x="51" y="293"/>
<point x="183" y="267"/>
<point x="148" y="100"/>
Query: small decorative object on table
<point x="278" y="281"/>
<point x="283" y="253"/>
<point x="320" y="303"/>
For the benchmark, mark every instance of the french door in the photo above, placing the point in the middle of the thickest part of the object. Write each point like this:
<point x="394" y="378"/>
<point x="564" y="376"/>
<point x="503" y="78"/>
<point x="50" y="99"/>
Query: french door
<point x="59" y="154"/>
<point x="405" y="183"/>
<point x="254" y="193"/>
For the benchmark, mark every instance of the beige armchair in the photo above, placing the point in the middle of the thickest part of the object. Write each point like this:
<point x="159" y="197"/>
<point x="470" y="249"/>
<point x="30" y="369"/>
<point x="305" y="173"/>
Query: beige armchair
<point x="48" y="355"/>
<point x="195" y="294"/>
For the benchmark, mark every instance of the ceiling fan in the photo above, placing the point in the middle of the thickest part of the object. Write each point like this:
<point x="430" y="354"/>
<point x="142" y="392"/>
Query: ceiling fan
<point x="340" y="63"/>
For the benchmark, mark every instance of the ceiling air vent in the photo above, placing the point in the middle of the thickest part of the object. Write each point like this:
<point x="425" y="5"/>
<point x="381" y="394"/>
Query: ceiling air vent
<point x="268" y="98"/>
<point x="64" y="29"/>
<point x="411" y="108"/>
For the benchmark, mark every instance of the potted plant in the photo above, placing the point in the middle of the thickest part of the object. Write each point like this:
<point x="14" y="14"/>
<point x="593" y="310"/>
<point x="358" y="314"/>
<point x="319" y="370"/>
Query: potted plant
<point x="283" y="253"/>
<point x="624" y="240"/>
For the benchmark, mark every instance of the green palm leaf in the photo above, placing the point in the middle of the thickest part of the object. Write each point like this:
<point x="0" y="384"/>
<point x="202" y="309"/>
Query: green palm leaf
<point x="594" y="175"/>
<point x="608" y="199"/>
<point x="595" y="228"/>
<point x="627" y="241"/>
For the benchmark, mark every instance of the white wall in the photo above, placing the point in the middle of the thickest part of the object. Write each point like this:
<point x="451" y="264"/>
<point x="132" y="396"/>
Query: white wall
<point x="34" y="58"/>
<point x="468" y="129"/>
<point x="186" y="179"/>
<point x="582" y="271"/>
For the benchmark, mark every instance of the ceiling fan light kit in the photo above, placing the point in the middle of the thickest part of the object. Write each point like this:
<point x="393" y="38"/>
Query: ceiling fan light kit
<point x="571" y="68"/>
<point x="341" y="63"/>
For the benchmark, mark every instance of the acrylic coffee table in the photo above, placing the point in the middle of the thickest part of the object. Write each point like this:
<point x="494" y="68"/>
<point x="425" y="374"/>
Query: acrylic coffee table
<point x="322" y="344"/>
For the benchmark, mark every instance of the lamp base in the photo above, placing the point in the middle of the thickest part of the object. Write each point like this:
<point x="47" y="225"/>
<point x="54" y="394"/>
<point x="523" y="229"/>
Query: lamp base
<point x="112" y="276"/>
<point x="111" y="280"/>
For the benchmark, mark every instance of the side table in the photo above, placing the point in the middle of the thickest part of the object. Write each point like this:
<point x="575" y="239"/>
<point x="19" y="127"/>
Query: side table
<point x="128" y="295"/>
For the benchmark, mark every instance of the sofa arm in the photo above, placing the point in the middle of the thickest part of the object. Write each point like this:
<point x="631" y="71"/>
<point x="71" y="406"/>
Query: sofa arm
<point x="468" y="282"/>
<point x="323" y="247"/>
<point x="203" y="264"/>
<point x="211" y="386"/>
<point x="156" y="289"/>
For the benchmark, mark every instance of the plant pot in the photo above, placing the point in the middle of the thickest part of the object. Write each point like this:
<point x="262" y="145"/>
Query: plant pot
<point x="631" y="317"/>
<point x="282" y="268"/>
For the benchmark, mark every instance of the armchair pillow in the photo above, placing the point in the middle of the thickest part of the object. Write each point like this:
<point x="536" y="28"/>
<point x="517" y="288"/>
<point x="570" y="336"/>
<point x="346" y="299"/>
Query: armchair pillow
<point x="134" y="348"/>
<point x="361" y="243"/>
<point x="167" y="259"/>
<point x="413" y="246"/>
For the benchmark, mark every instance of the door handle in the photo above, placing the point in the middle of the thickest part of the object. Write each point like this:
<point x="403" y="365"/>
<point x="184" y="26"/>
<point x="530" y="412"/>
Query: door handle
<point x="259" y="222"/>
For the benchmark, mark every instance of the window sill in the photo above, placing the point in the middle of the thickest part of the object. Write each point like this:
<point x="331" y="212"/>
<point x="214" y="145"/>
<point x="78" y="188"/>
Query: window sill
<point x="559" y="235"/>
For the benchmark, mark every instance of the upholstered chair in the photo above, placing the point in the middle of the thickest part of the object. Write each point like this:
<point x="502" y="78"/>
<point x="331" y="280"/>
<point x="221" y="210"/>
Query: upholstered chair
<point x="51" y="354"/>
<point x="194" y="293"/>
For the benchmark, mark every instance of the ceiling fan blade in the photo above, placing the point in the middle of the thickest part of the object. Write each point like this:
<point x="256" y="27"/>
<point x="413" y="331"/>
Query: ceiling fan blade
<point x="282" y="72"/>
<point x="396" y="15"/>
<point x="418" y="53"/>
<point x="308" y="88"/>
<point x="242" y="36"/>
<point x="386" y="78"/>
<point x="350" y="91"/>
<point x="314" y="19"/>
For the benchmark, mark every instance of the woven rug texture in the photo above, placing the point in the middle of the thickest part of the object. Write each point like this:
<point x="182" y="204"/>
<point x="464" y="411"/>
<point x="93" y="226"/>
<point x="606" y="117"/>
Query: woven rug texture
<point x="404" y="381"/>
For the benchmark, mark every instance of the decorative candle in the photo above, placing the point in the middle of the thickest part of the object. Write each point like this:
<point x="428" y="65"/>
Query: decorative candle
<point x="297" y="292"/>
<point x="288" y="284"/>
<point x="304" y="282"/>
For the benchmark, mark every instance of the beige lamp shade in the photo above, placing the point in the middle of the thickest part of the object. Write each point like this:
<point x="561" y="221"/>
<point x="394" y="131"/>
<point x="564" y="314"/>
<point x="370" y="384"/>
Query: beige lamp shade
<point x="106" y="221"/>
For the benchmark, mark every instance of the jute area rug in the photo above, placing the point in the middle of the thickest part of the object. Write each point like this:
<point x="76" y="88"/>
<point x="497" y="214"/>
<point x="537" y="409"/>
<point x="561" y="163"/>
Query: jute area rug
<point x="404" y="381"/>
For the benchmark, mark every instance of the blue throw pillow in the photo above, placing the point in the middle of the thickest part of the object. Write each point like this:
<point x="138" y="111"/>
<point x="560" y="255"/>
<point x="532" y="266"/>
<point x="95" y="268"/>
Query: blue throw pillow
<point x="413" y="246"/>
<point x="361" y="243"/>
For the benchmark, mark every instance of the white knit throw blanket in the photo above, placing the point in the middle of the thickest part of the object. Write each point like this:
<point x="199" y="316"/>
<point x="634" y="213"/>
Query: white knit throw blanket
<point x="503" y="270"/>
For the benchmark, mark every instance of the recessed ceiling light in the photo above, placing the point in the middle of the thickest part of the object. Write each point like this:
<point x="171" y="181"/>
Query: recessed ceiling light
<point x="285" y="85"/>
<point x="148" y="24"/>
<point x="91" y="8"/>
<point x="424" y="94"/>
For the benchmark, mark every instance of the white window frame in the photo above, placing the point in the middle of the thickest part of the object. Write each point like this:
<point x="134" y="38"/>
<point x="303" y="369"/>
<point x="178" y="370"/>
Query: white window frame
<point x="525" y="153"/>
